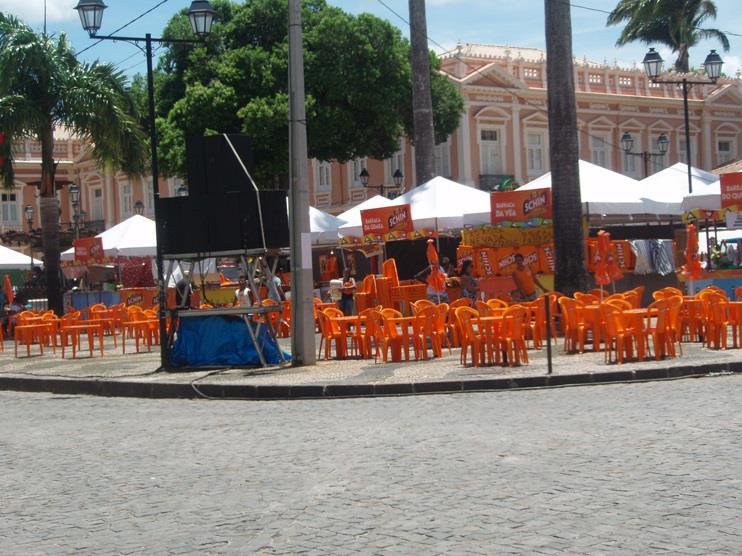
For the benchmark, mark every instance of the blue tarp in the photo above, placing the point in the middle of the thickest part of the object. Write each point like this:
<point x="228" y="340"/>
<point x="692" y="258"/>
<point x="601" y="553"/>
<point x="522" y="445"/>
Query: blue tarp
<point x="219" y="340"/>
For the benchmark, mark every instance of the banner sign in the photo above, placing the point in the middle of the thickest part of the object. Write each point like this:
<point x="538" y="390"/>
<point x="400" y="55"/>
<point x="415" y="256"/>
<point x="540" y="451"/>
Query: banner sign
<point x="731" y="189"/>
<point x="88" y="249"/>
<point x="520" y="206"/>
<point x="387" y="221"/>
<point x="734" y="220"/>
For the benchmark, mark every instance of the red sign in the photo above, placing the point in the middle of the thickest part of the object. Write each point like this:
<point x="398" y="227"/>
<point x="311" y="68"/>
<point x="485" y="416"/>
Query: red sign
<point x="520" y="206"/>
<point x="731" y="189"/>
<point x="88" y="249"/>
<point x="387" y="220"/>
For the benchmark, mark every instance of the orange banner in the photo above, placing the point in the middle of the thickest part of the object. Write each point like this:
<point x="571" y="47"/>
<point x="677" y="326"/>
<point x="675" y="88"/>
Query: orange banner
<point x="88" y="250"/>
<point x="731" y="189"/>
<point x="386" y="220"/>
<point x="520" y="206"/>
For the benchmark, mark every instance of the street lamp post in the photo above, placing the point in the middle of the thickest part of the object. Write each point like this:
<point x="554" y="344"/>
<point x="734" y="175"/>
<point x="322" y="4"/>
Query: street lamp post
<point x="364" y="177"/>
<point x="74" y="192"/>
<point x="201" y="16"/>
<point x="28" y="211"/>
<point x="627" y="143"/>
<point x="712" y="66"/>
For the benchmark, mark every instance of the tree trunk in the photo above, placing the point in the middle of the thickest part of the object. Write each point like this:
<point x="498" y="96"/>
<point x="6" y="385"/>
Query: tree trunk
<point x="49" y="218"/>
<point x="422" y="104"/>
<point x="569" y="247"/>
<point x="682" y="61"/>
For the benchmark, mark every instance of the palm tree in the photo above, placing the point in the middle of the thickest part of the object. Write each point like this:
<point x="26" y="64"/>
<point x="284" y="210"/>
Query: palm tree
<point x="673" y="23"/>
<point x="42" y="87"/>
<point x="570" y="274"/>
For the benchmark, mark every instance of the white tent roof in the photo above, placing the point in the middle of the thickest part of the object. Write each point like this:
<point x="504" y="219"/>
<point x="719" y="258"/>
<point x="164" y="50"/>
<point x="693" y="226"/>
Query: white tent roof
<point x="324" y="226"/>
<point x="706" y="198"/>
<point x="352" y="217"/>
<point x="440" y="204"/>
<point x="664" y="191"/>
<point x="12" y="260"/>
<point x="134" y="237"/>
<point x="602" y="190"/>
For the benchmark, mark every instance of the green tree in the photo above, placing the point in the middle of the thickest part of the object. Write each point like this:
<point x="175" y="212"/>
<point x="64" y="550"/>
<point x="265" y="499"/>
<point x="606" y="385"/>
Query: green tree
<point x="673" y="23"/>
<point x="357" y="77"/>
<point x="43" y="87"/>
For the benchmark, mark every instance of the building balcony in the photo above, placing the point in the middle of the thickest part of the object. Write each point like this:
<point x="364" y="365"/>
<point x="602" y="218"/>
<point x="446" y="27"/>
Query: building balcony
<point x="490" y="182"/>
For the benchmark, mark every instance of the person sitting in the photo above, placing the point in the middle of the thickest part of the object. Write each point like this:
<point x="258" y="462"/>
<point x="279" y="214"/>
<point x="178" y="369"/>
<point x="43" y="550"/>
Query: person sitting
<point x="469" y="284"/>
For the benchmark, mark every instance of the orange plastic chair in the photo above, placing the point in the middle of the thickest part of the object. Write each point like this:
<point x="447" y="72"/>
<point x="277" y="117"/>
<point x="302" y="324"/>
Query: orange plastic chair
<point x="390" y="313"/>
<point x="621" y="304"/>
<point x="573" y="322"/>
<point x="660" y="332"/>
<point x="420" y="305"/>
<point x="426" y="329"/>
<point x="329" y="334"/>
<point x="513" y="335"/>
<point x="469" y="337"/>
<point x="675" y="306"/>
<point x="28" y="334"/>
<point x="620" y="339"/>
<point x="721" y="322"/>
<point x="375" y="332"/>
<point x="738" y="293"/>
<point x="483" y="309"/>
<point x="597" y="292"/>
<point x="496" y="303"/>
<point x="139" y="327"/>
<point x="587" y="298"/>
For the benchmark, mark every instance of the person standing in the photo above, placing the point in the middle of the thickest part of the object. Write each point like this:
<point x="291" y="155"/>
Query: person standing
<point x="469" y="285"/>
<point x="346" y="292"/>
<point x="242" y="294"/>
<point x="525" y="281"/>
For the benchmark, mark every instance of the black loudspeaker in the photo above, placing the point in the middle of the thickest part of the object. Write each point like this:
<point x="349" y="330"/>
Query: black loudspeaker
<point x="214" y="169"/>
<point x="229" y="222"/>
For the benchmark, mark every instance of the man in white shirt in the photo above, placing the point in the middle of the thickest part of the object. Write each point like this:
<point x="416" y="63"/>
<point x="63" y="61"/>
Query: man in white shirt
<point x="242" y="294"/>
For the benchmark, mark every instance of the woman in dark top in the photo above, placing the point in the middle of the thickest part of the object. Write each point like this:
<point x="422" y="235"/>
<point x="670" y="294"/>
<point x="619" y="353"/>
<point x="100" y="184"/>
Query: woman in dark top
<point x="469" y="285"/>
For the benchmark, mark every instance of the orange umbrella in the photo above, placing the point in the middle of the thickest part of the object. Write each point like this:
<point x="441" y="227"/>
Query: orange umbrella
<point x="8" y="287"/>
<point x="602" y="277"/>
<point x="692" y="266"/>
<point x="436" y="279"/>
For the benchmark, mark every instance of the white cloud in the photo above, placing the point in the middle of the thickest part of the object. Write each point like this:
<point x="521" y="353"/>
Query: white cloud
<point x="732" y="64"/>
<point x="32" y="11"/>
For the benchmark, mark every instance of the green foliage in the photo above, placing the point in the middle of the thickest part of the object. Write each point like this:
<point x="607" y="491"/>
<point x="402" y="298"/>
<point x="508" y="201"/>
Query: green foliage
<point x="43" y="86"/>
<point x="357" y="78"/>
<point x="672" y="23"/>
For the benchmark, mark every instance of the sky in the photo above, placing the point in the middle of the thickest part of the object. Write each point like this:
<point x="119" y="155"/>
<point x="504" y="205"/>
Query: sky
<point x="505" y="22"/>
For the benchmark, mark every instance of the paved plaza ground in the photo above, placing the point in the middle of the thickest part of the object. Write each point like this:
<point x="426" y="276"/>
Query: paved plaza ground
<point x="649" y="468"/>
<point x="142" y="367"/>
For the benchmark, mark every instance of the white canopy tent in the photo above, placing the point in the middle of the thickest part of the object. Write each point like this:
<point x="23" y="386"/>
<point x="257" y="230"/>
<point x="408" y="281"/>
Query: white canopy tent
<point x="664" y="192"/>
<point x="602" y="191"/>
<point x="352" y="217"/>
<point x="13" y="260"/>
<point x="708" y="198"/>
<point x="324" y="227"/>
<point x="134" y="237"/>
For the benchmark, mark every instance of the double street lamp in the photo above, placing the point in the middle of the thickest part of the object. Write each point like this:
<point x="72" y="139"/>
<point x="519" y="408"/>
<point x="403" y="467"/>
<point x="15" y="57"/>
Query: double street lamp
<point x="712" y="66"/>
<point x="74" y="192"/>
<point x="201" y="16"/>
<point x="627" y="144"/>
<point x="397" y="177"/>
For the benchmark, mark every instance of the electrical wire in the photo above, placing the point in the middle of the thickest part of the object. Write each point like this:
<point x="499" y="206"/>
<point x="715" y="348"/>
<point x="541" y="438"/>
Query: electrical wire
<point x="124" y="26"/>
<point x="512" y="90"/>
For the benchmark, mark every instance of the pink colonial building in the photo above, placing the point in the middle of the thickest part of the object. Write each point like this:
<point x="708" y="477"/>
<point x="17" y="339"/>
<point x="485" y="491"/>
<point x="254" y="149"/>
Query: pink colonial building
<point x="503" y="133"/>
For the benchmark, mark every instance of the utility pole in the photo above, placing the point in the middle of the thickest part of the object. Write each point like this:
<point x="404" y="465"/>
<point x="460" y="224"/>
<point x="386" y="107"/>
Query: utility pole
<point x="569" y="246"/>
<point x="422" y="104"/>
<point x="302" y="322"/>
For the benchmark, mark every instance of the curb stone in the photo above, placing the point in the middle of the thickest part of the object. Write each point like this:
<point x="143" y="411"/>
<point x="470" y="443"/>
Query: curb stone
<point x="185" y="390"/>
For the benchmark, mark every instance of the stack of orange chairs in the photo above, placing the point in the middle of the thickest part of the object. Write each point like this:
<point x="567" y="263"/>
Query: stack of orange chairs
<point x="620" y="339"/>
<point x="366" y="297"/>
<point x="573" y="325"/>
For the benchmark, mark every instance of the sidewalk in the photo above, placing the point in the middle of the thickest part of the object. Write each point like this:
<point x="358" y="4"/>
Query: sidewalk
<point x="136" y="375"/>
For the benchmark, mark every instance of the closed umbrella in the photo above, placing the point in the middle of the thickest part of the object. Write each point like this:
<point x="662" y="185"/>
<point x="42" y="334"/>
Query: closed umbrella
<point x="436" y="278"/>
<point x="8" y="287"/>
<point x="692" y="266"/>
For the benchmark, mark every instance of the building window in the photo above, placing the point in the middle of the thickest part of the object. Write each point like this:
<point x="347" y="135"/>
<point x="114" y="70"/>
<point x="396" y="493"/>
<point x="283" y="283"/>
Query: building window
<point x="725" y="151"/>
<point x="442" y="159"/>
<point x="535" y="153"/>
<point x="324" y="176"/>
<point x="9" y="202"/>
<point x="96" y="204"/>
<point x="490" y="152"/>
<point x="625" y="81"/>
<point x="682" y="154"/>
<point x="595" y="79"/>
<point x="127" y="203"/>
<point x="531" y="73"/>
<point x="356" y="166"/>
<point x="599" y="151"/>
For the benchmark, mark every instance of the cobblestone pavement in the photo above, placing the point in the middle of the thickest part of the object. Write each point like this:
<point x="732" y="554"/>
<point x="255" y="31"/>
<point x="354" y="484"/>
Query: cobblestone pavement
<point x="142" y="366"/>
<point x="651" y="468"/>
